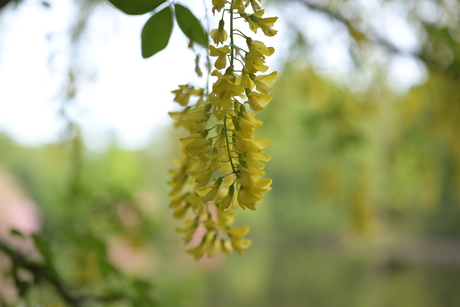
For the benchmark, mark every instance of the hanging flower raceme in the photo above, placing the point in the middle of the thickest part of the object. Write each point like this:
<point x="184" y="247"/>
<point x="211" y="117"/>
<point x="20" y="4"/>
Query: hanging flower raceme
<point x="222" y="167"/>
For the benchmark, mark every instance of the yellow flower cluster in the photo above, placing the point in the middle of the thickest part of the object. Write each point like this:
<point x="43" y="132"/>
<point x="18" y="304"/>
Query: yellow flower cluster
<point x="222" y="165"/>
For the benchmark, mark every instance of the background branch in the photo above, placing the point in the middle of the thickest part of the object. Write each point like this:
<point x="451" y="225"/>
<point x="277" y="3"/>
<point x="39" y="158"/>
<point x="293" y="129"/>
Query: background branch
<point x="45" y="272"/>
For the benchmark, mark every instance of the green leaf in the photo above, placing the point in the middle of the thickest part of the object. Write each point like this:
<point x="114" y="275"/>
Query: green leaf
<point x="107" y="269"/>
<point x="156" y="32"/>
<point x="43" y="247"/>
<point x="22" y="287"/>
<point x="16" y="232"/>
<point x="190" y="25"/>
<point x="88" y="241"/>
<point x="136" y="7"/>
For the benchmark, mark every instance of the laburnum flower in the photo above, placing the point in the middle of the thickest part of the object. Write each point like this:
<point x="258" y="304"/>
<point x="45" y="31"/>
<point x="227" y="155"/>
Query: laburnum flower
<point x="226" y="85"/>
<point x="239" y="5"/>
<point x="266" y="25"/>
<point x="224" y="164"/>
<point x="262" y="82"/>
<point x="245" y="81"/>
<point x="253" y="20"/>
<point x="249" y="177"/>
<point x="247" y="123"/>
<point x="188" y="231"/>
<point x="254" y="63"/>
<point x="194" y="201"/>
<point x="198" y="251"/>
<point x="195" y="120"/>
<point x="209" y="193"/>
<point x="217" y="5"/>
<point x="258" y="48"/>
<point x="227" y="202"/>
<point x="237" y="240"/>
<point x="249" y="198"/>
<point x="221" y="54"/>
<point x="219" y="35"/>
<point x="178" y="116"/>
<point x="220" y="104"/>
<point x="255" y="6"/>
<point x="197" y="147"/>
<point x="258" y="101"/>
<point x="203" y="176"/>
<point x="183" y="94"/>
<point x="226" y="247"/>
<point x="179" y="177"/>
<point x="254" y="59"/>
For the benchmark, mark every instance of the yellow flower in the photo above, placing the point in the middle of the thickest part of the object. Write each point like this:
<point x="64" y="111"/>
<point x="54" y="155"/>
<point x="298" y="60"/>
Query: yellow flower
<point x="180" y="211"/>
<point x="219" y="35"/>
<point x="259" y="48"/>
<point x="263" y="81"/>
<point x="247" y="199"/>
<point x="195" y="120"/>
<point x="179" y="177"/>
<point x="202" y="177"/>
<point x="189" y="230"/>
<point x="227" y="202"/>
<point x="194" y="200"/>
<point x="237" y="240"/>
<point x="244" y="144"/>
<point x="177" y="117"/>
<point x="254" y="63"/>
<point x="209" y="193"/>
<point x="239" y="5"/>
<point x="198" y="251"/>
<point x="249" y="177"/>
<point x="258" y="101"/>
<point x="224" y="219"/>
<point x="245" y="81"/>
<point x="221" y="54"/>
<point x="183" y="94"/>
<point x="266" y="25"/>
<point x="255" y="6"/>
<point x="226" y="247"/>
<point x="217" y="5"/>
<point x="248" y="123"/>
<point x="214" y="248"/>
<point x="226" y="85"/>
<point x="220" y="105"/>
<point x="253" y="20"/>
<point x="197" y="146"/>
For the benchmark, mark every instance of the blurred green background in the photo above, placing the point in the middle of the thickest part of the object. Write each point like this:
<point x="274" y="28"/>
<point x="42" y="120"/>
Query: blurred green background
<point x="365" y="206"/>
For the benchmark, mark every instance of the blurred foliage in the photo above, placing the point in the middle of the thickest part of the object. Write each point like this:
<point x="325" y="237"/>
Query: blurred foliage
<point x="366" y="190"/>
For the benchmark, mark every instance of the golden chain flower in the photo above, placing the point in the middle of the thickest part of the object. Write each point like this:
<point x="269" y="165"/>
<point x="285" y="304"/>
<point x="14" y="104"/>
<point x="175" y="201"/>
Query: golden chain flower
<point x="222" y="164"/>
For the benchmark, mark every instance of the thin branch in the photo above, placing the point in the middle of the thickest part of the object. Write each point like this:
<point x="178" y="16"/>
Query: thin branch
<point x="43" y="271"/>
<point x="371" y="37"/>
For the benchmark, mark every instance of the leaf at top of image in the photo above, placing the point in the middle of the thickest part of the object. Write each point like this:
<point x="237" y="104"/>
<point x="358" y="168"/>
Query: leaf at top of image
<point x="190" y="25"/>
<point x="136" y="7"/>
<point x="156" y="32"/>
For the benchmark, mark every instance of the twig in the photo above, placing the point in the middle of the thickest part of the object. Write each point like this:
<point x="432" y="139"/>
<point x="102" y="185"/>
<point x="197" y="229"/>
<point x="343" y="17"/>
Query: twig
<point x="371" y="37"/>
<point x="43" y="271"/>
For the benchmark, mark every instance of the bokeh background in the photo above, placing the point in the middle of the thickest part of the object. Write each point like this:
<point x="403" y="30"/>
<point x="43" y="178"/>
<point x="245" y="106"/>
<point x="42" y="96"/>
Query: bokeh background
<point x="364" y="126"/>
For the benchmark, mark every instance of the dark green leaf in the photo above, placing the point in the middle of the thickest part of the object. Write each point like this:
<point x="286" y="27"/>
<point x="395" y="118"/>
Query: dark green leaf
<point x="190" y="25"/>
<point x="23" y="287"/>
<point x="141" y="286"/>
<point x="136" y="7"/>
<point x="88" y="241"/>
<point x="156" y="32"/>
<point x="107" y="269"/>
<point x="43" y="247"/>
<point x="16" y="232"/>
